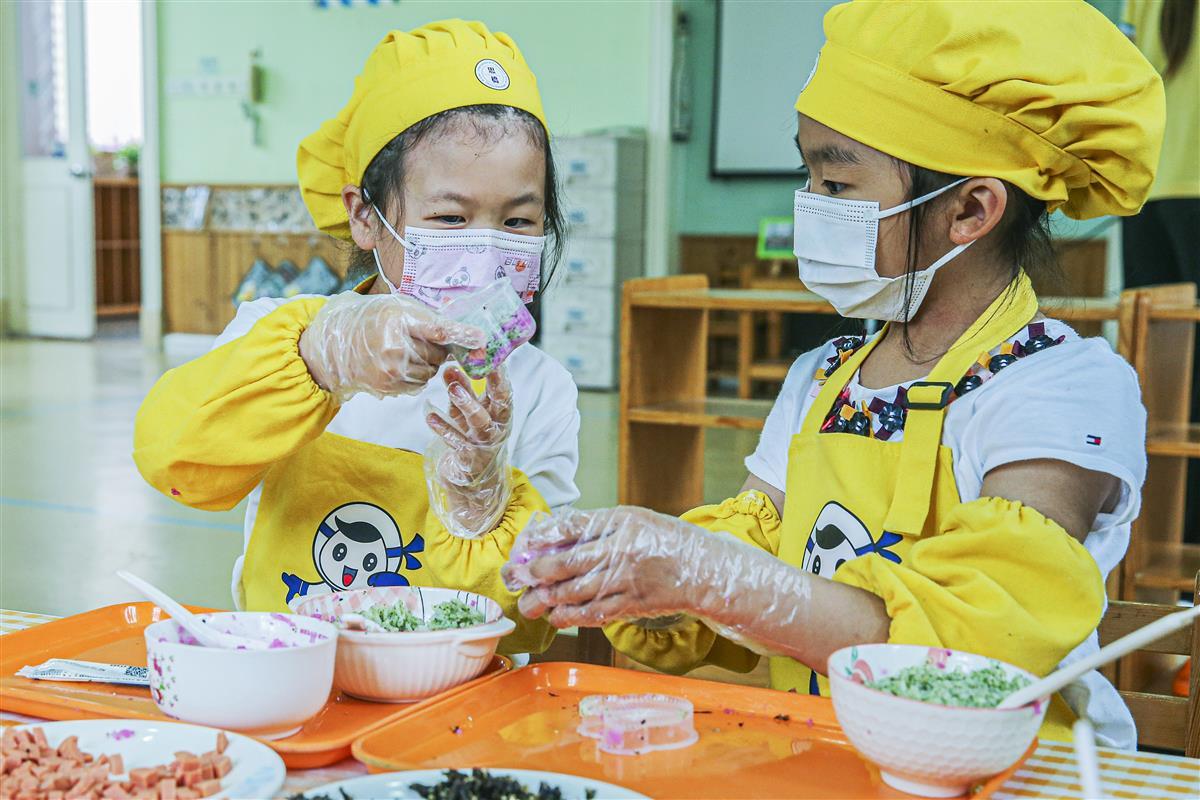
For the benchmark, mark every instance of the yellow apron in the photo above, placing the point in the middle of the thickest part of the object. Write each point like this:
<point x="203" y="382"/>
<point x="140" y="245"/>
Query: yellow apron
<point x="337" y="514"/>
<point x="850" y="495"/>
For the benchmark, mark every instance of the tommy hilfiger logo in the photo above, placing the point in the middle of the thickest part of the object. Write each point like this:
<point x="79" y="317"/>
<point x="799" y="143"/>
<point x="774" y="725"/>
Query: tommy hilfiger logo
<point x="1093" y="439"/>
<point x="491" y="74"/>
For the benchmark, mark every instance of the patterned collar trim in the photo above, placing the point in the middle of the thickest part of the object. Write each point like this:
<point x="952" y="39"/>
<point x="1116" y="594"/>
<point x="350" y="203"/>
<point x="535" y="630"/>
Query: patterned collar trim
<point x="883" y="417"/>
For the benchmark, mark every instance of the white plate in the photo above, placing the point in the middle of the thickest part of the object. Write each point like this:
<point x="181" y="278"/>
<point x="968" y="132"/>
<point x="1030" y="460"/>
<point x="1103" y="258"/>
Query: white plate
<point x="394" y="785"/>
<point x="258" y="770"/>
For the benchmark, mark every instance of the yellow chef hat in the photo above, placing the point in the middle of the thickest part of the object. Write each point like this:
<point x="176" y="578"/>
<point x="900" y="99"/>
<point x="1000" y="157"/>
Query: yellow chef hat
<point x="408" y="77"/>
<point x="1048" y="96"/>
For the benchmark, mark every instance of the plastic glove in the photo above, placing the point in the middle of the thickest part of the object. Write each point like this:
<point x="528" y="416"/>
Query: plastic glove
<point x="466" y="466"/>
<point x="379" y="344"/>
<point x="589" y="568"/>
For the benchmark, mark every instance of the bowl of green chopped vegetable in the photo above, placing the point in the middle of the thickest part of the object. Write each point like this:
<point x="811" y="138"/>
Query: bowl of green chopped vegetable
<point x="927" y="716"/>
<point x="401" y="644"/>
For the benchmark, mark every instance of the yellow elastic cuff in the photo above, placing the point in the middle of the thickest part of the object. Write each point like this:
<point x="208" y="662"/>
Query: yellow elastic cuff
<point x="281" y="331"/>
<point x="751" y="516"/>
<point x="674" y="650"/>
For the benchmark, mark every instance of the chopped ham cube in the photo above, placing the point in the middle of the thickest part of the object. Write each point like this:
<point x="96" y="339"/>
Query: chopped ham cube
<point x="208" y="788"/>
<point x="222" y="742"/>
<point x="69" y="748"/>
<point x="223" y="766"/>
<point x="141" y="778"/>
<point x="117" y="762"/>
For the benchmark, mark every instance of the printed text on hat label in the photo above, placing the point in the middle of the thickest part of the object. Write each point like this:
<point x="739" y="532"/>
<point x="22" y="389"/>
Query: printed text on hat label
<point x="491" y="74"/>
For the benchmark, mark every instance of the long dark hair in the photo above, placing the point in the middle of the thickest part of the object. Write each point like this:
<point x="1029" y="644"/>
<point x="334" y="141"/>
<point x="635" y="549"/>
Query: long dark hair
<point x="1022" y="239"/>
<point x="1176" y="24"/>
<point x="383" y="180"/>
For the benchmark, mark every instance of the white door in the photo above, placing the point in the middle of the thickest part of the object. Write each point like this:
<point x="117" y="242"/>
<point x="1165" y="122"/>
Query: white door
<point x="59" y="271"/>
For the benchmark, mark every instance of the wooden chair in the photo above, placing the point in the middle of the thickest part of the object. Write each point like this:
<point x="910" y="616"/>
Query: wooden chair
<point x="770" y="367"/>
<point x="1159" y="341"/>
<point x="1164" y="721"/>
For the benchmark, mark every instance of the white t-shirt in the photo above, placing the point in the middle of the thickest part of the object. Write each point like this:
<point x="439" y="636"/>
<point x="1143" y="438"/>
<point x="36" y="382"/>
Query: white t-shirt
<point x="1075" y="401"/>
<point x="544" y="443"/>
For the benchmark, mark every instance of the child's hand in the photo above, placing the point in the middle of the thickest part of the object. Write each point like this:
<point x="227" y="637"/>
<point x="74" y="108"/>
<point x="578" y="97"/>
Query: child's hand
<point x="466" y="467"/>
<point x="379" y="344"/>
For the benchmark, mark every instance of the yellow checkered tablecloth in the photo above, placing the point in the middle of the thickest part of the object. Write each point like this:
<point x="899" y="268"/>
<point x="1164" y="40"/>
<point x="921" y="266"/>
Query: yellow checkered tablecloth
<point x="1049" y="773"/>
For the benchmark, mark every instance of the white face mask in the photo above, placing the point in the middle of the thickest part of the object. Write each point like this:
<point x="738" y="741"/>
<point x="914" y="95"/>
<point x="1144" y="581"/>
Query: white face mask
<point x="441" y="265"/>
<point x="835" y="248"/>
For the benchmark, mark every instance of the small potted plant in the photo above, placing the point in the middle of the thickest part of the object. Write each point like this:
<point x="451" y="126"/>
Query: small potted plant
<point x="125" y="160"/>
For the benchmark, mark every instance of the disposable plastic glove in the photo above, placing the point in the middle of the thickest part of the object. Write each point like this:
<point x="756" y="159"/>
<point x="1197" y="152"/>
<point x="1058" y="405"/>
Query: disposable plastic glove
<point x="466" y="466"/>
<point x="589" y="568"/>
<point x="379" y="344"/>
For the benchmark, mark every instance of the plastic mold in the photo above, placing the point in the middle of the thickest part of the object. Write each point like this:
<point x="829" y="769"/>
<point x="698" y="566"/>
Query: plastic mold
<point x="497" y="310"/>
<point x="637" y="724"/>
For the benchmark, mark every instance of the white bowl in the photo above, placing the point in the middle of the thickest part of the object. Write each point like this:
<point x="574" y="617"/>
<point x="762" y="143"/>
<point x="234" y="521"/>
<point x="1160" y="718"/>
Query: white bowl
<point x="265" y="693"/>
<point x="924" y="748"/>
<point x="407" y="667"/>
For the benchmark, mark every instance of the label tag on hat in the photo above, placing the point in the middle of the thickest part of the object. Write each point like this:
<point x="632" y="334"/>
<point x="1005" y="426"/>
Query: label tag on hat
<point x="491" y="74"/>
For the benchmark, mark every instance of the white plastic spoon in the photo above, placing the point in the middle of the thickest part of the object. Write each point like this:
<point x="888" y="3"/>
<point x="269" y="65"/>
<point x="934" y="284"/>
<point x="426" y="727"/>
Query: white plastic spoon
<point x="190" y="622"/>
<point x="357" y="622"/>
<point x="1126" y="644"/>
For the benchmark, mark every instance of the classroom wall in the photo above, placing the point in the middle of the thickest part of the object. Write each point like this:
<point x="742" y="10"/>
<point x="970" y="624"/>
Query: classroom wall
<point x="591" y="58"/>
<point x="708" y="205"/>
<point x="10" y="165"/>
<point x="704" y="204"/>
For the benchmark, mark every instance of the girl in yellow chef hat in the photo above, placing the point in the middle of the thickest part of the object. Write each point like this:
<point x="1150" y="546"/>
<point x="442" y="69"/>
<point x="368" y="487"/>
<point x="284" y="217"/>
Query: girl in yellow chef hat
<point x="319" y="410"/>
<point x="967" y="476"/>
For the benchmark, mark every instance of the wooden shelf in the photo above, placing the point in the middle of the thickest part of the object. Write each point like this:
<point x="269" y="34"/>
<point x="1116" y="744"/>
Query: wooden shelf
<point x="712" y="412"/>
<point x="723" y="329"/>
<point x="118" y="244"/>
<point x="769" y="370"/>
<point x="126" y="310"/>
<point x="1169" y="565"/>
<point x="114" y="180"/>
<point x="1081" y="309"/>
<point x="1098" y="309"/>
<point x="733" y="300"/>
<point x="1174" y="440"/>
<point x="1180" y="313"/>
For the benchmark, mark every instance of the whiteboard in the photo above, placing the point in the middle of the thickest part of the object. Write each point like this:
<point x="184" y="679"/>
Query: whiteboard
<point x="765" y="50"/>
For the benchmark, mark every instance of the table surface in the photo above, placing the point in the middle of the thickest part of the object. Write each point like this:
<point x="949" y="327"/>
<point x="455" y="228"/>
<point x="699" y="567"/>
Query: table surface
<point x="1049" y="772"/>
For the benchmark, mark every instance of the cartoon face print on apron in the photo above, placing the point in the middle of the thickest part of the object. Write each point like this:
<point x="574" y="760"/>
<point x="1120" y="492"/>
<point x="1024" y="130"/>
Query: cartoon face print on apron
<point x="339" y="514"/>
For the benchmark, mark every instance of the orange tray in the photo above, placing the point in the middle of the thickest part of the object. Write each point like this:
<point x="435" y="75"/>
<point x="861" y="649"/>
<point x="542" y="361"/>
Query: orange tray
<point x="753" y="742"/>
<point x="114" y="635"/>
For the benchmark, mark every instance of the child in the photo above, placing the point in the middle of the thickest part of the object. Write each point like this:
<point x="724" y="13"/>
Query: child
<point x="965" y="478"/>
<point x="319" y="409"/>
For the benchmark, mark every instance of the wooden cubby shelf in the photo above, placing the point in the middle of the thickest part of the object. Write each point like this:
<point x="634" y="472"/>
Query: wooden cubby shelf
<point x="713" y="412"/>
<point x="1179" y="439"/>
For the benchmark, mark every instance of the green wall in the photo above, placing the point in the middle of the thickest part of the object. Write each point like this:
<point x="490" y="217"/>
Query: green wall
<point x="10" y="163"/>
<point x="708" y="205"/>
<point x="704" y="204"/>
<point x="591" y="58"/>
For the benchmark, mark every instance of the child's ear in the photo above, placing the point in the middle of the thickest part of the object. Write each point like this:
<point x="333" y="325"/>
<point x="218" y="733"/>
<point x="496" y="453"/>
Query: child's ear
<point x="361" y="214"/>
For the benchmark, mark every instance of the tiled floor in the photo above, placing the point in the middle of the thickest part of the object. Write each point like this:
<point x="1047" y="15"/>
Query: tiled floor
<point x="73" y="508"/>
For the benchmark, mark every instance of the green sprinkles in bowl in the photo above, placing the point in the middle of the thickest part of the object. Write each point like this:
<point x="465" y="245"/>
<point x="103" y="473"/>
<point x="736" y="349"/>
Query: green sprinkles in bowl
<point x="446" y="616"/>
<point x="395" y="618"/>
<point x="983" y="688"/>
<point x="454" y="614"/>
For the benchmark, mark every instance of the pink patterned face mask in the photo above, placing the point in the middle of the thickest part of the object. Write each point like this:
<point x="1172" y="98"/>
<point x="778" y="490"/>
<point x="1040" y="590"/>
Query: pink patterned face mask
<point x="443" y="265"/>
